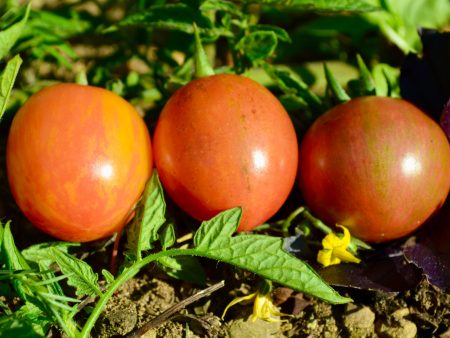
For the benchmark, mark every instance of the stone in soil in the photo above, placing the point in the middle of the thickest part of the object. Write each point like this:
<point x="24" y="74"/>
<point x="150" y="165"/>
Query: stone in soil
<point x="359" y="321"/>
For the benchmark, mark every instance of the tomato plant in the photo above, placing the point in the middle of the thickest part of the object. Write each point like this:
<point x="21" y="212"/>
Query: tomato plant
<point x="224" y="141"/>
<point x="377" y="165"/>
<point x="78" y="158"/>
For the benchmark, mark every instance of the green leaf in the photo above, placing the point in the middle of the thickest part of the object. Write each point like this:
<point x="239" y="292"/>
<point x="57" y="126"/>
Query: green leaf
<point x="400" y="20"/>
<point x="9" y="36"/>
<point x="27" y="322"/>
<point x="263" y="255"/>
<point x="150" y="216"/>
<point x="367" y="85"/>
<point x="7" y="79"/>
<point x="108" y="276"/>
<point x="41" y="253"/>
<point x="79" y="273"/>
<point x="258" y="45"/>
<point x="386" y="80"/>
<point x="185" y="268"/>
<point x="13" y="259"/>
<point x="331" y="5"/>
<point x="177" y="16"/>
<point x="281" y="34"/>
<point x="1" y="241"/>
<point x="335" y="86"/>
<point x="221" y="6"/>
<point x="291" y="83"/>
<point x="217" y="228"/>
<point x="168" y="237"/>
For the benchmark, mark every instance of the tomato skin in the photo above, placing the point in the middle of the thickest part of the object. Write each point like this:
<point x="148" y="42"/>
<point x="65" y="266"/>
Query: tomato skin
<point x="377" y="165"/>
<point x="77" y="159"/>
<point x="225" y="141"/>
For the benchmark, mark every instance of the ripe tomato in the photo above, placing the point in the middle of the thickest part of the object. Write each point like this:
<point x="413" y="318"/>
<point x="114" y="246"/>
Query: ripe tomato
<point x="224" y="141"/>
<point x="377" y="165"/>
<point x="77" y="159"/>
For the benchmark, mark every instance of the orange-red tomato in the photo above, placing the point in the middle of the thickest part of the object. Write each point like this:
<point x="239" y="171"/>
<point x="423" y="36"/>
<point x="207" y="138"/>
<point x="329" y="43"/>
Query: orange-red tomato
<point x="377" y="165"/>
<point x="224" y="141"/>
<point x="77" y="159"/>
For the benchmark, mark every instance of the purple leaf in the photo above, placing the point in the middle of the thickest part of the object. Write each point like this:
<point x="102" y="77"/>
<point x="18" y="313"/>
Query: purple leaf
<point x="426" y="81"/>
<point x="431" y="250"/>
<point x="385" y="270"/>
<point x="445" y="119"/>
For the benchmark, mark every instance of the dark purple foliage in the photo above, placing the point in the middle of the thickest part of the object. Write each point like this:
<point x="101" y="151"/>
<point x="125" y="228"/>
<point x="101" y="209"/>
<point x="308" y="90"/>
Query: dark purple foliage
<point x="445" y="119"/>
<point x="385" y="270"/>
<point x="425" y="81"/>
<point x="431" y="251"/>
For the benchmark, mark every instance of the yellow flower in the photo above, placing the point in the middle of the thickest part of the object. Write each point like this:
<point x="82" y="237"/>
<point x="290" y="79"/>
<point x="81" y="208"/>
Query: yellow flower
<point x="335" y="249"/>
<point x="263" y="307"/>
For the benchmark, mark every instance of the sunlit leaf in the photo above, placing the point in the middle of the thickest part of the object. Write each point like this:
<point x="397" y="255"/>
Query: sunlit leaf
<point x="9" y="36"/>
<point x="7" y="79"/>
<point x="263" y="255"/>
<point x="79" y="273"/>
<point x="150" y="216"/>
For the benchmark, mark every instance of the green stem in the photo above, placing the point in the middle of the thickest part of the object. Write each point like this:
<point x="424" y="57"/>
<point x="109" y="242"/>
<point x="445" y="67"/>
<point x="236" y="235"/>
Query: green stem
<point x="202" y="66"/>
<point x="126" y="275"/>
<point x="265" y="287"/>
<point x="317" y="222"/>
<point x="81" y="78"/>
<point x="290" y="218"/>
<point x="355" y="243"/>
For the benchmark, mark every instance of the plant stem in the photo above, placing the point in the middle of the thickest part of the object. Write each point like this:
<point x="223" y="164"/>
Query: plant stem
<point x="127" y="274"/>
<point x="287" y="222"/>
<point x="355" y="243"/>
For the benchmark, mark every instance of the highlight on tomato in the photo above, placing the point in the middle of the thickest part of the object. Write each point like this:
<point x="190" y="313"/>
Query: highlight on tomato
<point x="376" y="165"/>
<point x="78" y="158"/>
<point x="224" y="141"/>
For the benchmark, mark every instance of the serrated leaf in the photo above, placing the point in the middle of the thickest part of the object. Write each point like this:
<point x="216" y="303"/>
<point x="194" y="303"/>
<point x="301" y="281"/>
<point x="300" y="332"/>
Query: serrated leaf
<point x="9" y="36"/>
<point x="185" y="268"/>
<point x="79" y="274"/>
<point x="335" y="86"/>
<point x="7" y="79"/>
<point x="41" y="253"/>
<point x="258" y="45"/>
<point x="263" y="255"/>
<point x="168" y="237"/>
<point x="217" y="228"/>
<point x="150" y="216"/>
<point x="108" y="276"/>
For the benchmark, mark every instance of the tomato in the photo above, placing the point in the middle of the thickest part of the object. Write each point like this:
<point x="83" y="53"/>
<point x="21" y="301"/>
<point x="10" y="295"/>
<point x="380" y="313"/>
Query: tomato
<point x="225" y="141"/>
<point x="77" y="159"/>
<point x="377" y="165"/>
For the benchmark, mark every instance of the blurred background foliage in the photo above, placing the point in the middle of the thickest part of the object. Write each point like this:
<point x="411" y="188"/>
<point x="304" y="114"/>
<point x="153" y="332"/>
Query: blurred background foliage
<point x="143" y="50"/>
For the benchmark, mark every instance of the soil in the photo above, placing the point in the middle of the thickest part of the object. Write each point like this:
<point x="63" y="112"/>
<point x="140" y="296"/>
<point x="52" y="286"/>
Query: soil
<point x="422" y="312"/>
